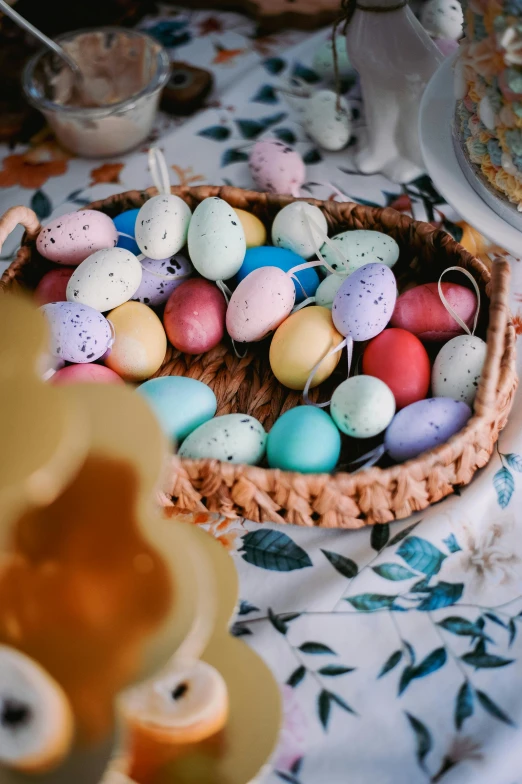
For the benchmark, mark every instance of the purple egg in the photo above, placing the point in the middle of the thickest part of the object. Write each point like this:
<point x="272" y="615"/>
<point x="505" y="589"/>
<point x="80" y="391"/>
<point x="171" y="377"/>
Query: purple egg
<point x="79" y="333"/>
<point x="424" y="425"/>
<point x="160" y="277"/>
<point x="365" y="301"/>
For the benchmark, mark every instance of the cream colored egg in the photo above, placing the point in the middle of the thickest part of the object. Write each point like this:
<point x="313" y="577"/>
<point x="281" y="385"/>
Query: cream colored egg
<point x="105" y="279"/>
<point x="140" y="342"/>
<point x="301" y="228"/>
<point x="362" y="406"/>
<point x="255" y="232"/>
<point x="300" y="343"/>
<point x="327" y="120"/>
<point x="162" y="226"/>
<point x="458" y="367"/>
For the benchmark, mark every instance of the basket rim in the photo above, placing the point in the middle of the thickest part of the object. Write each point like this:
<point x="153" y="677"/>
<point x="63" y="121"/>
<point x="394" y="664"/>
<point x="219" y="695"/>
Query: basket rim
<point x="501" y="353"/>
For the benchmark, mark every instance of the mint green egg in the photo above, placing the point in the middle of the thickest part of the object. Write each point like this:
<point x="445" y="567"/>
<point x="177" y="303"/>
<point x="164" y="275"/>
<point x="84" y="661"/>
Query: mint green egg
<point x="356" y="248"/>
<point x="304" y="439"/>
<point x="327" y="289"/>
<point x="231" y="438"/>
<point x="362" y="406"/>
<point x="181" y="404"/>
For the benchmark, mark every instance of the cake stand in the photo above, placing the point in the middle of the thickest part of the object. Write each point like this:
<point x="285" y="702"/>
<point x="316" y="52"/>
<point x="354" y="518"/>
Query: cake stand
<point x="436" y="140"/>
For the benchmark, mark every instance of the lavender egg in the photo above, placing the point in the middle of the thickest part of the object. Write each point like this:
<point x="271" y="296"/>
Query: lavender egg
<point x="365" y="301"/>
<point x="424" y="425"/>
<point x="160" y="278"/>
<point x="79" y="333"/>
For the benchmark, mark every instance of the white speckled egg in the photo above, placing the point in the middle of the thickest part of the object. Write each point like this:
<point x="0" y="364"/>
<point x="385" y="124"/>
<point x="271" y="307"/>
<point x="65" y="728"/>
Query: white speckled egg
<point x="162" y="226"/>
<point x="457" y="368"/>
<point x="361" y="247"/>
<point x="362" y="406"/>
<point x="216" y="239"/>
<point x="326" y="122"/>
<point x="323" y="62"/>
<point x="78" y="333"/>
<point x="72" y="237"/>
<point x="327" y="289"/>
<point x="160" y="277"/>
<point x="293" y="228"/>
<point x="233" y="438"/>
<point x="105" y="279"/>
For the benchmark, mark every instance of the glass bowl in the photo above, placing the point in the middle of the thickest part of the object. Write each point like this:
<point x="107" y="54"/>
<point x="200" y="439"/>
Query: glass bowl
<point x="125" y="72"/>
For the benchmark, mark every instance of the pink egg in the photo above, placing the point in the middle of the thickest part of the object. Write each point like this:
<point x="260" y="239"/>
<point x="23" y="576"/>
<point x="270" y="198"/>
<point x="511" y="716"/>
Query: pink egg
<point x="73" y="237"/>
<point x="420" y="310"/>
<point x="194" y="317"/>
<point x="86" y="374"/>
<point x="276" y="167"/>
<point x="261" y="302"/>
<point x="53" y="285"/>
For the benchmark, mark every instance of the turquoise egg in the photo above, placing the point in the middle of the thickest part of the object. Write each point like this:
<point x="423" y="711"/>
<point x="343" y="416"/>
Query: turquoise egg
<point x="304" y="439"/>
<point x="126" y="222"/>
<point x="267" y="256"/>
<point x="181" y="404"/>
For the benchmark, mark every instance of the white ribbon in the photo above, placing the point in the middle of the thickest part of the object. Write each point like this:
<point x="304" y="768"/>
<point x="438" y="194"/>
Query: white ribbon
<point x="448" y="307"/>
<point x="227" y="294"/>
<point x="159" y="171"/>
<point x="348" y="342"/>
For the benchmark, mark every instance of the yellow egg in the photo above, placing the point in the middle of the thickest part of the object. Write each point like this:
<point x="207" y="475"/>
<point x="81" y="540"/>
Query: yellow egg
<point x="298" y="345"/>
<point x="140" y="342"/>
<point x="255" y="232"/>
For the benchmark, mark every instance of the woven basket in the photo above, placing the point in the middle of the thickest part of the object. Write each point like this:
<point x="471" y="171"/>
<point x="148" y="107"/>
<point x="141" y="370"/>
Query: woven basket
<point x="341" y="500"/>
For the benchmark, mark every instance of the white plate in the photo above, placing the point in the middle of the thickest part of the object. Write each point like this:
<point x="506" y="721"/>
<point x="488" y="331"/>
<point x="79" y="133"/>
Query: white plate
<point x="435" y="124"/>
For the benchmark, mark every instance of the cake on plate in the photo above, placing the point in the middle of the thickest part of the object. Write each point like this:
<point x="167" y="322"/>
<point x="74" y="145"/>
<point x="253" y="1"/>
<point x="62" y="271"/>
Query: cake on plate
<point x="488" y="118"/>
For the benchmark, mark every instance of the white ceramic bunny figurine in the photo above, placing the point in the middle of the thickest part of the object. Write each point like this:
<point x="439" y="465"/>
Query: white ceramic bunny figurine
<point x="395" y="58"/>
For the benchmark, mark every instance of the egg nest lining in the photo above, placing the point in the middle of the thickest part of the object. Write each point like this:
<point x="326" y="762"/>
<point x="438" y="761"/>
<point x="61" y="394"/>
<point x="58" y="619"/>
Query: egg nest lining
<point x="248" y="386"/>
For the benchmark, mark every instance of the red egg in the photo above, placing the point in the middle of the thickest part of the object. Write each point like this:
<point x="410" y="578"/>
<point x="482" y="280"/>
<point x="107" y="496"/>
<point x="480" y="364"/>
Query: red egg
<point x="194" y="317"/>
<point x="420" y="310"/>
<point x="86" y="374"/>
<point x="53" y="285"/>
<point x="400" y="360"/>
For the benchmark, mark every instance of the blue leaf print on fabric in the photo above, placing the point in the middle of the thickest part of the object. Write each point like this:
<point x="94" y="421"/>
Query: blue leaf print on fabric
<point x="245" y="608"/>
<point x="433" y="662"/>
<point x="493" y="709"/>
<point x="312" y="156"/>
<point x="285" y="135"/>
<point x="442" y="595"/>
<point x="315" y="648"/>
<point x="484" y="661"/>
<point x="421" y="555"/>
<point x="301" y="71"/>
<point x="423" y="740"/>
<point x="379" y="536"/>
<point x="273" y="550"/>
<point x="504" y="484"/>
<point x="390" y="663"/>
<point x="514" y="461"/>
<point x="171" y="33"/>
<point x="403" y="534"/>
<point x="233" y="156"/>
<point x="333" y="670"/>
<point x="266" y="94"/>
<point x="369" y="602"/>
<point x="452" y="544"/>
<point x="250" y="128"/>
<point x="343" y="565"/>
<point x="219" y="133"/>
<point x="41" y="204"/>
<point x="296" y="677"/>
<point x="391" y="571"/>
<point x="463" y="705"/>
<point x="274" y="65"/>
<point x="463" y="627"/>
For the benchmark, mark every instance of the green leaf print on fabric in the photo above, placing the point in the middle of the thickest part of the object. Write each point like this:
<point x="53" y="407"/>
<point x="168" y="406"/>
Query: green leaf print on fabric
<point x="423" y="738"/>
<point x="421" y="555"/>
<point x="41" y="204"/>
<point x="489" y="706"/>
<point x="250" y="128"/>
<point x="504" y="485"/>
<point x="332" y="670"/>
<point x="274" y="65"/>
<point x="315" y="648"/>
<point x="514" y="461"/>
<point x="219" y="133"/>
<point x="266" y="94"/>
<point x="369" y="602"/>
<point x="462" y="627"/>
<point x="296" y="677"/>
<point x="343" y="565"/>
<point x="390" y="663"/>
<point x="391" y="571"/>
<point x="233" y="156"/>
<point x="483" y="660"/>
<point x="379" y="536"/>
<point x="273" y="550"/>
<point x="463" y="705"/>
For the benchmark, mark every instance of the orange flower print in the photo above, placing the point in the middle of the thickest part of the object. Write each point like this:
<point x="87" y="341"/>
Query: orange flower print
<point x="225" y="531"/>
<point x="33" y="168"/>
<point x="517" y="323"/>
<point x="107" y="172"/>
<point x="226" y="56"/>
<point x="186" y="176"/>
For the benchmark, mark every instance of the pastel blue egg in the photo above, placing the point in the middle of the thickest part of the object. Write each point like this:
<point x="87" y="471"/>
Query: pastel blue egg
<point x="267" y="256"/>
<point x="304" y="439"/>
<point x="126" y="222"/>
<point x="181" y="404"/>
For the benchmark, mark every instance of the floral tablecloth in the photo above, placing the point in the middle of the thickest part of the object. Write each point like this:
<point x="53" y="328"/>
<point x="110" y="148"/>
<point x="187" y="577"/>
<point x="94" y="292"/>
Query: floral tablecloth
<point x="398" y="648"/>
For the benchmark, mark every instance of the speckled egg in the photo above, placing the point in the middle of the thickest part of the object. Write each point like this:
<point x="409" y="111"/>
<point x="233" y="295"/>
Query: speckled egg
<point x="181" y="404"/>
<point x="304" y="439"/>
<point x="194" y="316"/>
<point x="323" y="62"/>
<point x="260" y="303"/>
<point x="400" y="360"/>
<point x="140" y="343"/>
<point x="362" y="406"/>
<point x="268" y="256"/>
<point x="300" y="343"/>
<point x="72" y="237"/>
<point x="105" y="279"/>
<point x="360" y="247"/>
<point x="327" y="289"/>
<point x="327" y="120"/>
<point x="53" y="286"/>
<point x="423" y="426"/>
<point x="78" y="333"/>
<point x="126" y="223"/>
<point x="276" y="167"/>
<point x="160" y="277"/>
<point x="162" y="226"/>
<point x="232" y="438"/>
<point x="301" y="228"/>
<point x="420" y="310"/>
<point x="364" y="302"/>
<point x="216" y="240"/>
<point x="255" y="232"/>
<point x="458" y="367"/>
<point x="86" y="374"/>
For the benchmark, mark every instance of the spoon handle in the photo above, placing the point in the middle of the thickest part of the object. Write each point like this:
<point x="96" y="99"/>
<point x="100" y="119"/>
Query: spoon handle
<point x="48" y="42"/>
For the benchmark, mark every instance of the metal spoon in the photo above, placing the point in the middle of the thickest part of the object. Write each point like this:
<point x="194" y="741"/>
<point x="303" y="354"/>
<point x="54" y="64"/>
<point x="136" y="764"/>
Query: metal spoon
<point x="48" y="42"/>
